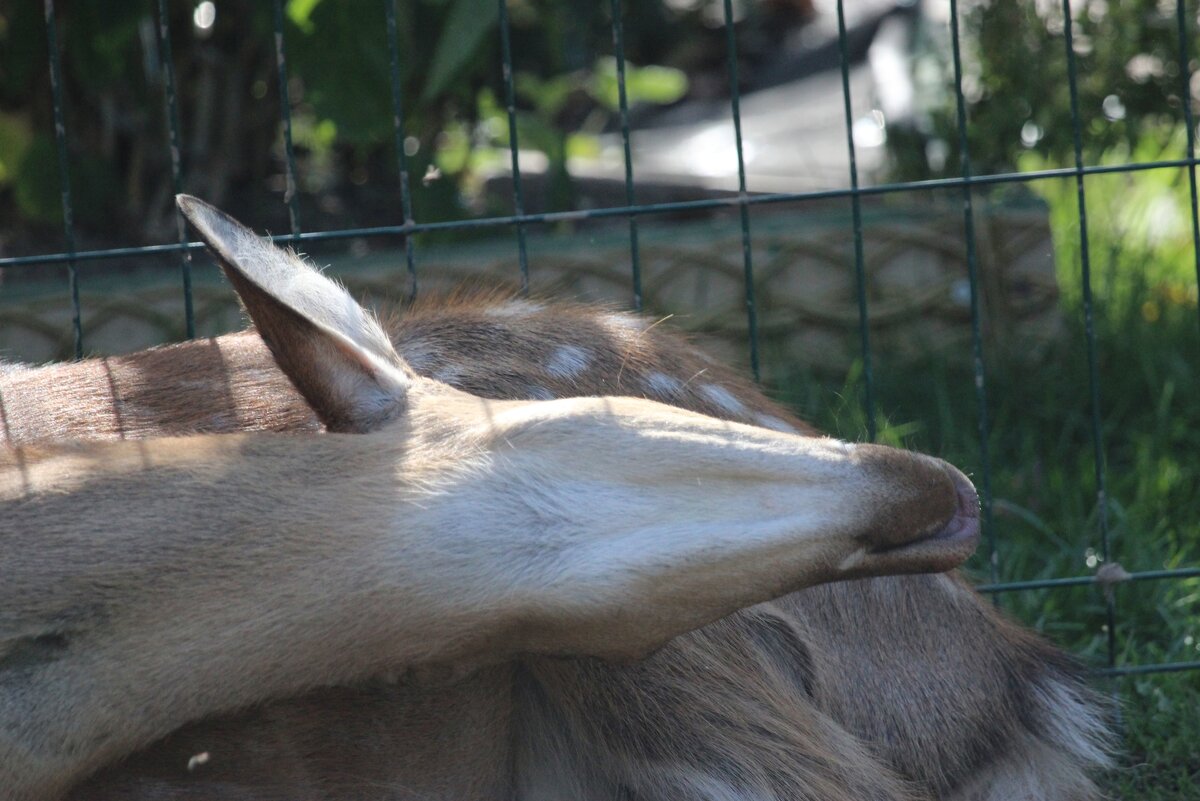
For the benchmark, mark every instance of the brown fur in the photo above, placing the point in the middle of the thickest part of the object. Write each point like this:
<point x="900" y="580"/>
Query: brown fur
<point x="885" y="688"/>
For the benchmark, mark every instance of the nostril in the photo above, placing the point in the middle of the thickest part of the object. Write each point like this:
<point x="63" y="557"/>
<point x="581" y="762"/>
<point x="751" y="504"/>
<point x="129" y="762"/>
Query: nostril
<point x="968" y="497"/>
<point x="964" y="524"/>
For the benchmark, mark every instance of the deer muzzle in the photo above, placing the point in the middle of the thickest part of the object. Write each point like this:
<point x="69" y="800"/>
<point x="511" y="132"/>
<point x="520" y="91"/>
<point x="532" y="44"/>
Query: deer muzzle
<point x="927" y="512"/>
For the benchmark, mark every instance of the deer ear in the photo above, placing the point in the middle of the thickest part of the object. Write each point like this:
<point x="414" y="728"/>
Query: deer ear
<point x="332" y="349"/>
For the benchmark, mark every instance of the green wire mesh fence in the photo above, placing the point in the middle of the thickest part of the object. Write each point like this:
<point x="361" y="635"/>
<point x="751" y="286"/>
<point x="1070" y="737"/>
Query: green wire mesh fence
<point x="519" y="221"/>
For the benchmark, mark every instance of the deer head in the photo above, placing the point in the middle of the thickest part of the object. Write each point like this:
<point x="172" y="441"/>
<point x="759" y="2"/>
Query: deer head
<point x="608" y="497"/>
<point x="159" y="581"/>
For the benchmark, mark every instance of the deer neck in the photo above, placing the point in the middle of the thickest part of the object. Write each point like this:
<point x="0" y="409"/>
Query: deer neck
<point x="278" y="562"/>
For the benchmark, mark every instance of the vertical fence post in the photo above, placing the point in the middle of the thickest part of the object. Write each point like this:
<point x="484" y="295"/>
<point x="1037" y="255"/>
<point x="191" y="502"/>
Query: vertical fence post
<point x="1085" y="267"/>
<point x="860" y="273"/>
<point x="511" y="105"/>
<point x="1189" y="120"/>
<point x="64" y="173"/>
<point x="171" y="110"/>
<point x="285" y="107"/>
<point x="630" y="199"/>
<point x="743" y="207"/>
<point x="401" y="156"/>
<point x="973" y="278"/>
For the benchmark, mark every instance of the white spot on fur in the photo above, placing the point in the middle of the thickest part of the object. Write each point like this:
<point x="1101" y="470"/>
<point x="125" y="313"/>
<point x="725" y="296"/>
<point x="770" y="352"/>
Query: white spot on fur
<point x="540" y="393"/>
<point x="853" y="560"/>
<point x="197" y="760"/>
<point x="626" y="321"/>
<point x="515" y="308"/>
<point x="568" y="361"/>
<point x="723" y="398"/>
<point x="663" y="385"/>
<point x="775" y="424"/>
<point x="624" y="327"/>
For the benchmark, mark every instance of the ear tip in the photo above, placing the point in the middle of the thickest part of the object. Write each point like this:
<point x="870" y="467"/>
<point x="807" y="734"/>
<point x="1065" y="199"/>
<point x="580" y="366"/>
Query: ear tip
<point x="219" y="231"/>
<point x="210" y="221"/>
<point x="195" y="210"/>
<point x="188" y="203"/>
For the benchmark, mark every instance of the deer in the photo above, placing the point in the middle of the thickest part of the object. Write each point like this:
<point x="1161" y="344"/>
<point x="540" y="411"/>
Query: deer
<point x="907" y="687"/>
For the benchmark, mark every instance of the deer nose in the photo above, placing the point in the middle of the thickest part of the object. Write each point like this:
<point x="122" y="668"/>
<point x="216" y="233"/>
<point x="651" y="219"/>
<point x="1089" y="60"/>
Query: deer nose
<point x="917" y="497"/>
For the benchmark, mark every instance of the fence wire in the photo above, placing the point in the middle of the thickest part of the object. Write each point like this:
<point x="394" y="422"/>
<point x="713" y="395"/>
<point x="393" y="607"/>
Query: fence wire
<point x="173" y="126"/>
<point x="966" y="182"/>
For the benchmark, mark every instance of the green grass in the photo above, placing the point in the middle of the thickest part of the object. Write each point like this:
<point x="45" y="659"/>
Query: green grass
<point x="1042" y="465"/>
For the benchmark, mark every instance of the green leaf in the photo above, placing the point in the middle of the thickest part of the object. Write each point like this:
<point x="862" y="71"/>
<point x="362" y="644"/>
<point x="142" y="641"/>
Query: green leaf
<point x="657" y="85"/>
<point x="547" y="96"/>
<point x="660" y="85"/>
<point x="583" y="145"/>
<point x="16" y="134"/>
<point x="300" y="13"/>
<point x="466" y="25"/>
<point x="36" y="182"/>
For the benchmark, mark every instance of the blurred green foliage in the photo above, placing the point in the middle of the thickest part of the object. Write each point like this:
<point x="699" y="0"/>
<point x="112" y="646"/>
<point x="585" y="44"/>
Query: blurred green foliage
<point x="340" y="86"/>
<point x="452" y="83"/>
<point x="1015" y="84"/>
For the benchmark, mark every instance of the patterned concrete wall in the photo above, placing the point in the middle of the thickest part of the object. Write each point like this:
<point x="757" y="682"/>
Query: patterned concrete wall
<point x="805" y="285"/>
